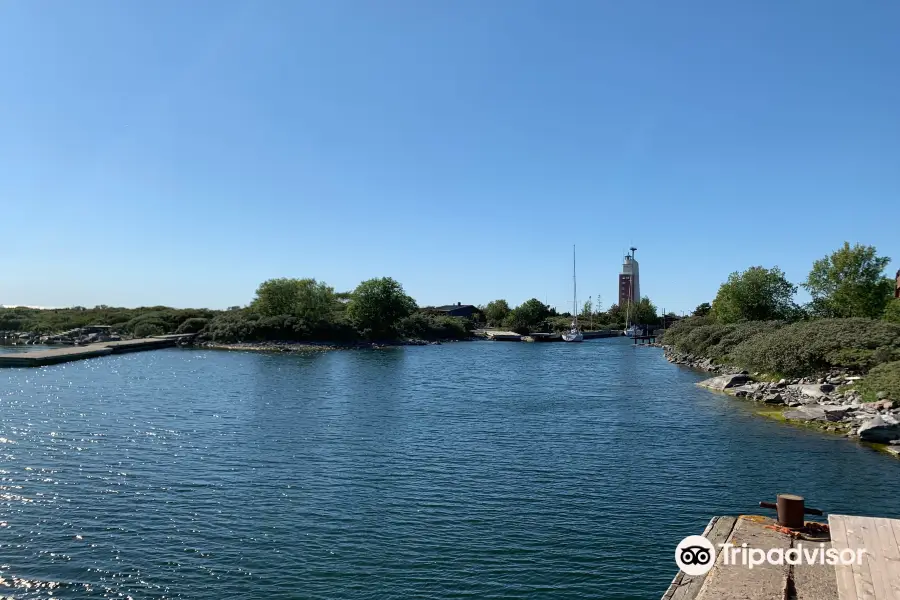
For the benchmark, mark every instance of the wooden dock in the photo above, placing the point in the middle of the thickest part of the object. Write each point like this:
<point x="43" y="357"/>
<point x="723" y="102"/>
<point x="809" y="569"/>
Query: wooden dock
<point x="877" y="578"/>
<point x="42" y="358"/>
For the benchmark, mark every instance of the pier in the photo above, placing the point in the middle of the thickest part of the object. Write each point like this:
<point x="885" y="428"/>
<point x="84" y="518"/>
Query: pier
<point x="511" y="336"/>
<point x="42" y="358"/>
<point x="876" y="577"/>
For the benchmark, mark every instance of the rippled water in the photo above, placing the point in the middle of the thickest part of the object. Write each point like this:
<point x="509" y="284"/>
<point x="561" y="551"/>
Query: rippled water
<point x="472" y="470"/>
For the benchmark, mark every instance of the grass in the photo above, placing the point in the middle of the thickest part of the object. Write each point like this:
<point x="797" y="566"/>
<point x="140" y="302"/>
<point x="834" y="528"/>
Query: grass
<point x="883" y="378"/>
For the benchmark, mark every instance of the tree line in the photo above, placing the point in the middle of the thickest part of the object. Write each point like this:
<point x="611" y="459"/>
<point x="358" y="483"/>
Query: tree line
<point x="849" y="282"/>
<point x="284" y="309"/>
<point x="534" y="315"/>
<point x="852" y="321"/>
<point x="292" y="309"/>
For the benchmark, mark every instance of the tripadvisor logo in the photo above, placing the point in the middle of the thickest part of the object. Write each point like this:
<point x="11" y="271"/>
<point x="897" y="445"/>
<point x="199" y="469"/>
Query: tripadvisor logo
<point x="695" y="555"/>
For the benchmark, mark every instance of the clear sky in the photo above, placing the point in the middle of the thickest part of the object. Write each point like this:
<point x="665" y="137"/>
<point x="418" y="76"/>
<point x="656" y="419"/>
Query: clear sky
<point x="179" y="153"/>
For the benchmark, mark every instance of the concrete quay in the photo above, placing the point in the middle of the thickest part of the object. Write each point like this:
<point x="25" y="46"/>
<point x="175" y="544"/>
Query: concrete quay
<point x="42" y="358"/>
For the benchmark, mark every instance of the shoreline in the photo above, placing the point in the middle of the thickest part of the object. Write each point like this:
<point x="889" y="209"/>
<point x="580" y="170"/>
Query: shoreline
<point x="827" y="403"/>
<point x="307" y="347"/>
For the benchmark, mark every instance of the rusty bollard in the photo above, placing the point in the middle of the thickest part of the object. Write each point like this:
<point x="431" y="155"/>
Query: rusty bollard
<point x="790" y="509"/>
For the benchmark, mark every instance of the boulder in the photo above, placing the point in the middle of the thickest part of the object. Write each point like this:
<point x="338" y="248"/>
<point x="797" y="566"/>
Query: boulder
<point x="881" y="429"/>
<point x="881" y="395"/>
<point x="773" y="399"/>
<point x="724" y="382"/>
<point x="813" y="390"/>
<point x="836" y="413"/>
<point x="806" y="413"/>
<point x="883" y="405"/>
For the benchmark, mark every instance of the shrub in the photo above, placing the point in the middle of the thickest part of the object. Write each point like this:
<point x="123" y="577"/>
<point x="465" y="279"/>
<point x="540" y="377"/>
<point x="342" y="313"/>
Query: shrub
<point x="193" y="325"/>
<point x="428" y="327"/>
<point x="232" y="326"/>
<point x="737" y="333"/>
<point x="892" y="311"/>
<point x="883" y="378"/>
<point x="812" y="346"/>
<point x="147" y="328"/>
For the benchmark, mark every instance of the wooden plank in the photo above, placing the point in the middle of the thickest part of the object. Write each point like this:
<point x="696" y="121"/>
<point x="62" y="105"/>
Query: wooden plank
<point x="863" y="587"/>
<point x="873" y="559"/>
<point x="846" y="586"/>
<point x="888" y="532"/>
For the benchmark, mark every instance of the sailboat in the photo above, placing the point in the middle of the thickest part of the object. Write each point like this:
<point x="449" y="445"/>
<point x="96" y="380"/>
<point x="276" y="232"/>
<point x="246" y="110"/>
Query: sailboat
<point x="574" y="335"/>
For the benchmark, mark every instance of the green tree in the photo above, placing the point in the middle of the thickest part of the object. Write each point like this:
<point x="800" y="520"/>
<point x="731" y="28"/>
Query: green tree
<point x="527" y="316"/>
<point x="496" y="312"/>
<point x="588" y="309"/>
<point x="757" y="294"/>
<point x="892" y="311"/>
<point x="616" y="313"/>
<point x="378" y="305"/>
<point x="305" y="298"/>
<point x="702" y="309"/>
<point x="850" y="283"/>
<point x="642" y="312"/>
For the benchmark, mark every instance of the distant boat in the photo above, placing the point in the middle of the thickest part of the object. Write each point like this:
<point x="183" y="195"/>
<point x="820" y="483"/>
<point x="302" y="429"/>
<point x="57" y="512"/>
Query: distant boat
<point x="633" y="331"/>
<point x="574" y="334"/>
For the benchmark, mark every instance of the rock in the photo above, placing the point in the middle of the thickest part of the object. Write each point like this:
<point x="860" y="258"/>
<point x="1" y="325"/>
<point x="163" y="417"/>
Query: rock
<point x="835" y="413"/>
<point x="813" y="390"/>
<point x="893" y="450"/>
<point x="881" y="395"/>
<point x="894" y="442"/>
<point x="806" y="413"/>
<point x="743" y="390"/>
<point x="781" y="383"/>
<point x="793" y="403"/>
<point x="880" y="429"/>
<point x="883" y="405"/>
<point x="773" y="399"/>
<point x="723" y="382"/>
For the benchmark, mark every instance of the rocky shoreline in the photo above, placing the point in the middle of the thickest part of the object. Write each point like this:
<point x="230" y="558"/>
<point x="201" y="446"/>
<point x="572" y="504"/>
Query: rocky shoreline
<point x="826" y="402"/>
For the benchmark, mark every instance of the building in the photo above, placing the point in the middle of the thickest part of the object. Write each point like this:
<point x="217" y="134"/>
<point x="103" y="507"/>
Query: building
<point x="457" y="310"/>
<point x="629" y="280"/>
<point x="897" y="288"/>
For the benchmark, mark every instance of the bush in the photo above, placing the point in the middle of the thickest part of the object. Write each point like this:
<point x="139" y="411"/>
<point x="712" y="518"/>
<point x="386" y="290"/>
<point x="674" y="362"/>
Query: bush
<point x="429" y="327"/>
<point x="813" y="346"/>
<point x="193" y="325"/>
<point x="148" y="328"/>
<point x="233" y="326"/>
<point x="883" y="378"/>
<point x="737" y="333"/>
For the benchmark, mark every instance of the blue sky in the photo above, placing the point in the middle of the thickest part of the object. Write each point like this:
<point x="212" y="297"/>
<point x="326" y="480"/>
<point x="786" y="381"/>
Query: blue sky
<point x="182" y="152"/>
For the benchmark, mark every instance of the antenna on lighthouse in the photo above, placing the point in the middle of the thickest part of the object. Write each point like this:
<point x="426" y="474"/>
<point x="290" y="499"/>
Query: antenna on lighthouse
<point x="632" y="251"/>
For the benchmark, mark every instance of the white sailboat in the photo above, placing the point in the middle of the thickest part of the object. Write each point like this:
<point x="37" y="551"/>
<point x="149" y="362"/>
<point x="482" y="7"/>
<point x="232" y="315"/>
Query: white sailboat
<point x="574" y="335"/>
<point x="634" y="330"/>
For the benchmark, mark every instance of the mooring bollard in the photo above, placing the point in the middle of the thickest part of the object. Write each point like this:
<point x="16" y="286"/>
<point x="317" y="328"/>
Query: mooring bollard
<point x="790" y="509"/>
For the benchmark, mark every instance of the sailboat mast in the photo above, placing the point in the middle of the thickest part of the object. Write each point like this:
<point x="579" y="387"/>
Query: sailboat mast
<point x="574" y="288"/>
